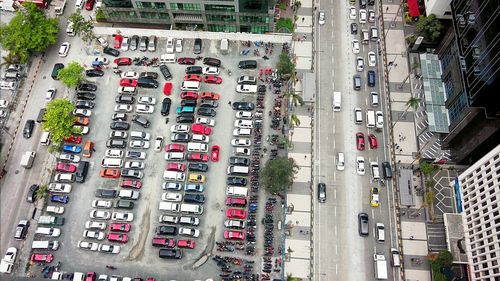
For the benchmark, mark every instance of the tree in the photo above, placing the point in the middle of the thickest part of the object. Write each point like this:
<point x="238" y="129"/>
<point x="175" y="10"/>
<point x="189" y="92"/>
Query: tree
<point x="41" y="192"/>
<point x="295" y="98"/>
<point x="29" y="31"/>
<point x="290" y="278"/>
<point x="413" y="103"/>
<point x="10" y="58"/>
<point x="430" y="27"/>
<point x="284" y="25"/>
<point x="427" y="168"/>
<point x="100" y="15"/>
<point x="285" y="65"/>
<point x="59" y="120"/>
<point x="71" y="75"/>
<point x="444" y="258"/>
<point x="294" y="120"/>
<point x="82" y="27"/>
<point x="278" y="174"/>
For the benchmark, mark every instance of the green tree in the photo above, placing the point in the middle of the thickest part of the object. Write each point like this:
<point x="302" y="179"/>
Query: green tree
<point x="444" y="258"/>
<point x="294" y="120"/>
<point x="430" y="27"/>
<point x="285" y="66"/>
<point x="100" y="15"/>
<point x="290" y="278"/>
<point x="427" y="168"/>
<point x="10" y="58"/>
<point x="284" y="25"/>
<point x="29" y="31"/>
<point x="278" y="174"/>
<point x="59" y="119"/>
<point x="41" y="192"/>
<point x="82" y="27"/>
<point x="71" y="75"/>
<point x="295" y="98"/>
<point x="438" y="276"/>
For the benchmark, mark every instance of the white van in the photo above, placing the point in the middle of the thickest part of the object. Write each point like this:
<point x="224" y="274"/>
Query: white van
<point x="380" y="232"/>
<point x="45" y="139"/>
<point x="79" y="4"/>
<point x="192" y="209"/>
<point x="174" y="176"/>
<point x="396" y="262"/>
<point x="242" y="132"/>
<point x="167" y="58"/>
<point x="340" y="161"/>
<point x="113" y="153"/>
<point x="190" y="86"/>
<point x="237" y="191"/>
<point x="64" y="178"/>
<point x="48" y="231"/>
<point x="237" y="170"/>
<point x="111" y="163"/>
<point x="337" y="101"/>
<point x="365" y="37"/>
<point x="224" y="46"/>
<point x="128" y="194"/>
<point x="174" y="156"/>
<point x="375" y="171"/>
<point x="242" y="151"/>
<point x="197" y="147"/>
<point x="127" y="90"/>
<point x="373" y="33"/>
<point x="374" y="99"/>
<point x="169" y="206"/>
<point x="136" y="135"/>
<point x="370" y="118"/>
<point x="70" y="30"/>
<point x="358" y="115"/>
<point x="46" y="245"/>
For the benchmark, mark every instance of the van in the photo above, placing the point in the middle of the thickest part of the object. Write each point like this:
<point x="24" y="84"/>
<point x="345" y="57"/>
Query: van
<point x="88" y="148"/>
<point x="337" y="101"/>
<point x="167" y="58"/>
<point x="224" y="46"/>
<point x="192" y="209"/>
<point x="340" y="161"/>
<point x="365" y="37"/>
<point x="46" y="245"/>
<point x="136" y="135"/>
<point x="370" y="118"/>
<point x="79" y="4"/>
<point x="111" y="162"/>
<point x="374" y="99"/>
<point x="169" y="206"/>
<point x="128" y="194"/>
<point x="64" y="178"/>
<point x="380" y="232"/>
<point x="189" y="220"/>
<point x="197" y="147"/>
<point x="358" y="116"/>
<point x="41" y="114"/>
<point x="190" y="86"/>
<point x="174" y="176"/>
<point x="386" y="168"/>
<point x="174" y="156"/>
<point x="78" y="276"/>
<point x="247" y="64"/>
<point x="168" y="219"/>
<point x="70" y="30"/>
<point x="236" y="191"/>
<point x="237" y="170"/>
<point x="375" y="171"/>
<point x="48" y="231"/>
<point x="127" y="90"/>
<point x="114" y="153"/>
<point x="242" y="132"/>
<point x="395" y="257"/>
<point x="373" y="33"/>
<point x="242" y="151"/>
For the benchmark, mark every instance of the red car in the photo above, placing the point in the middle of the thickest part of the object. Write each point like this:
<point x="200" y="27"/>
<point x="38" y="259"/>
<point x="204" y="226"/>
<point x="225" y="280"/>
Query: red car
<point x="210" y="79"/>
<point x="236" y="213"/>
<point x="167" y="89"/>
<point x="89" y="5"/>
<point x="128" y="83"/>
<point x="42" y="258"/>
<point x="163" y="242"/>
<point x="120" y="227"/>
<point x="236" y="202"/>
<point x="215" y="153"/>
<point x="123" y="61"/>
<point x="200" y="129"/>
<point x="80" y="120"/>
<point x="197" y="157"/>
<point x="192" y="77"/>
<point x="176" y="167"/>
<point x="190" y="244"/>
<point x="187" y="61"/>
<point x="174" y="147"/>
<point x="67" y="168"/>
<point x="110" y="173"/>
<point x="189" y="95"/>
<point x="74" y="139"/>
<point x="360" y="141"/>
<point x="373" y="141"/>
<point x="209" y="96"/>
<point x="234" y="235"/>
<point x="118" y="41"/>
<point x="118" y="237"/>
<point x="90" y="276"/>
<point x="131" y="184"/>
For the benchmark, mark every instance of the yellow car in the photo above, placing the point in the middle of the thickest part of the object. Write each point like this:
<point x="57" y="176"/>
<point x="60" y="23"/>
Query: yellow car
<point x="196" y="178"/>
<point x="374" y="202"/>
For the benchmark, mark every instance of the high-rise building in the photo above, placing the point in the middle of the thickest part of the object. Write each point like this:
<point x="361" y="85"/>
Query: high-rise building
<point x="440" y="8"/>
<point x="470" y="63"/>
<point x="479" y="188"/>
<point x="253" y="16"/>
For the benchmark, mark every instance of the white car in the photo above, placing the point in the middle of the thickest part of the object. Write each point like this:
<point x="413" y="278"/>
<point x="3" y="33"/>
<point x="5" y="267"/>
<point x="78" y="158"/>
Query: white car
<point x="362" y="16"/>
<point x="9" y="258"/>
<point x="360" y="165"/>
<point x="125" y="43"/>
<point x="352" y="13"/>
<point x="372" y="59"/>
<point x="244" y="115"/>
<point x="83" y="129"/>
<point x="355" y="46"/>
<point x="91" y="246"/>
<point x="135" y="155"/>
<point x="379" y="119"/>
<point x="200" y="138"/>
<point x="95" y="225"/>
<point x="4" y="104"/>
<point x="321" y="18"/>
<point x="234" y="224"/>
<point x="211" y="70"/>
<point x="51" y="93"/>
<point x="110" y="249"/>
<point x="102" y="41"/>
<point x="371" y="16"/>
<point x="205" y="121"/>
<point x="59" y="210"/>
<point x="180" y="129"/>
<point x="129" y="75"/>
<point x="170" y="45"/>
<point x="360" y="64"/>
<point x="158" y="143"/>
<point x="144" y="108"/>
<point x="246" y="88"/>
<point x="104" y="204"/>
<point x="243" y="124"/>
<point x="178" y="45"/>
<point x="64" y="49"/>
<point x="123" y="108"/>
<point x="134" y="165"/>
<point x="171" y="196"/>
<point x="147" y="100"/>
<point x="119" y="216"/>
<point x="101" y="60"/>
<point x="241" y="142"/>
<point x="99" y="235"/>
<point x="82" y="112"/>
<point x="100" y="215"/>
<point x="138" y="144"/>
<point x="59" y="187"/>
<point x="185" y="231"/>
<point x="118" y="135"/>
<point x="69" y="158"/>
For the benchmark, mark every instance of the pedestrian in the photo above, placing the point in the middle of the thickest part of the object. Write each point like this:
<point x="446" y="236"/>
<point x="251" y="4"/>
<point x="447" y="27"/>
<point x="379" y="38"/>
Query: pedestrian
<point x="386" y="9"/>
<point x="308" y="109"/>
<point x="229" y="103"/>
<point x="395" y="64"/>
<point x="411" y="237"/>
<point x="303" y="18"/>
<point x="305" y="156"/>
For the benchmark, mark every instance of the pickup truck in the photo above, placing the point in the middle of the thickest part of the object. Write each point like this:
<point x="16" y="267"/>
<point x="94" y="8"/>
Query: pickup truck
<point x="51" y="220"/>
<point x="7" y="263"/>
<point x="27" y="159"/>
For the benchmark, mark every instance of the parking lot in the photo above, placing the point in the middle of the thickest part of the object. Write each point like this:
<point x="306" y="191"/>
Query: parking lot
<point x="138" y="257"/>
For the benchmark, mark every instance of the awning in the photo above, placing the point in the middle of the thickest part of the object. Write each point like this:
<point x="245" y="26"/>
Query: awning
<point x="413" y="8"/>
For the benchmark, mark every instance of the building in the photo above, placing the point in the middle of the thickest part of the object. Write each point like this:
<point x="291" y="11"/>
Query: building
<point x="479" y="189"/>
<point x="470" y="73"/>
<point x="440" y="8"/>
<point x="253" y="16"/>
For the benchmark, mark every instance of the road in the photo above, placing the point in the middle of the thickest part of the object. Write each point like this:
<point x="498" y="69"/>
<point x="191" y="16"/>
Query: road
<point x="340" y="253"/>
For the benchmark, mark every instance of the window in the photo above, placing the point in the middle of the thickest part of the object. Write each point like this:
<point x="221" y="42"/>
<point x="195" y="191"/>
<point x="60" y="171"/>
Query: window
<point x="222" y="28"/>
<point x="227" y="18"/>
<point x="254" y="19"/>
<point x="457" y="107"/>
<point x="221" y="8"/>
<point x="185" y="6"/>
<point x="150" y="5"/>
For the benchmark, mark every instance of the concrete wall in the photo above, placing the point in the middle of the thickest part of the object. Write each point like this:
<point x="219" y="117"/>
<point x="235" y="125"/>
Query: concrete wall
<point x="438" y="7"/>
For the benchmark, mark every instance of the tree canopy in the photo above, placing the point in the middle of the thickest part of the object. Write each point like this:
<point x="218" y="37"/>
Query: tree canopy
<point x="430" y="27"/>
<point x="29" y="31"/>
<point x="71" y="75"/>
<point x="285" y="65"/>
<point x="278" y="174"/>
<point x="82" y="27"/>
<point x="59" y="120"/>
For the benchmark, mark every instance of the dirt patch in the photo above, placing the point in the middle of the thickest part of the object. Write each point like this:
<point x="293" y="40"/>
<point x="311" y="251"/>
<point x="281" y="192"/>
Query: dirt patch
<point x="207" y="252"/>
<point x="137" y="250"/>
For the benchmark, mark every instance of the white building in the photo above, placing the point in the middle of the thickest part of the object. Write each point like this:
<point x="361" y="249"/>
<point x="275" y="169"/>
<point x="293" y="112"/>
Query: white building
<point x="441" y="8"/>
<point x="480" y="197"/>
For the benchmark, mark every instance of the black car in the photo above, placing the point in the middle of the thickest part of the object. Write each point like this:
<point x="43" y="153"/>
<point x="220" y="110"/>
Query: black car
<point x="56" y="69"/>
<point x="245" y="106"/>
<point x="247" y="64"/>
<point x="41" y="115"/>
<point x="194" y="198"/>
<point x="354" y="28"/>
<point x="194" y="70"/>
<point x="185" y="119"/>
<point x="138" y="119"/>
<point x="166" y="230"/>
<point x="165" y="106"/>
<point x="371" y="78"/>
<point x="145" y="82"/>
<point x="81" y="171"/>
<point x="363" y="225"/>
<point x="125" y="99"/>
<point x="205" y="111"/>
<point x="209" y="103"/>
<point x="236" y="181"/>
<point x="170" y="254"/>
<point x="197" y="46"/>
<point x="124" y="204"/>
<point x="120" y="126"/>
<point x="119" y="116"/>
<point x="106" y="193"/>
<point x="87" y="87"/>
<point x="362" y="4"/>
<point x="85" y="96"/>
<point x="188" y="103"/>
<point x="321" y="192"/>
<point x="134" y="42"/>
<point x="180" y="137"/>
<point x="28" y="128"/>
<point x="132" y="154"/>
<point x="94" y="73"/>
<point x="112" y="143"/>
<point x="239" y="161"/>
<point x="198" y="167"/>
<point x="149" y="74"/>
<point x="165" y="72"/>
<point x="111" y="52"/>
<point x="212" y="62"/>
<point x="84" y="104"/>
<point x="31" y="196"/>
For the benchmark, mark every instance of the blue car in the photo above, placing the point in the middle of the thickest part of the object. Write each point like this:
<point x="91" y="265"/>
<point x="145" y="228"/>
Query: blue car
<point x="194" y="187"/>
<point x="72" y="148"/>
<point x="185" y="109"/>
<point x="64" y="199"/>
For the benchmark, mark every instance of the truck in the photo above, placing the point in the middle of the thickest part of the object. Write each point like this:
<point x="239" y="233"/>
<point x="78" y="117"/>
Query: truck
<point x="51" y="220"/>
<point x="237" y="191"/>
<point x="380" y="267"/>
<point x="7" y="263"/>
<point x="337" y="101"/>
<point x="28" y="159"/>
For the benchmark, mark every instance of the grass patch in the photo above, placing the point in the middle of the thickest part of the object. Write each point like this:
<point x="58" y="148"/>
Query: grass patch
<point x="284" y="25"/>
